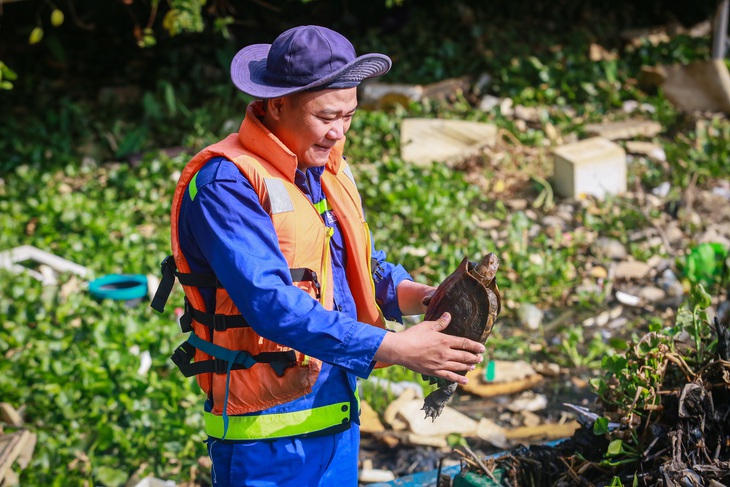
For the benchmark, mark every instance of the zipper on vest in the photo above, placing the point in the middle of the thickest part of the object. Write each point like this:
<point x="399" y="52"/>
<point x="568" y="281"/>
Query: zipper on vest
<point x="326" y="258"/>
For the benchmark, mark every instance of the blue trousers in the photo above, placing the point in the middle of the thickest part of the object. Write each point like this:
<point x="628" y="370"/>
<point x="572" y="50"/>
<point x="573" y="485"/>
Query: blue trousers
<point x="324" y="461"/>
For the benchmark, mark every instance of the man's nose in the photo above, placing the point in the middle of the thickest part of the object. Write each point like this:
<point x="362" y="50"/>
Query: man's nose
<point x="337" y="130"/>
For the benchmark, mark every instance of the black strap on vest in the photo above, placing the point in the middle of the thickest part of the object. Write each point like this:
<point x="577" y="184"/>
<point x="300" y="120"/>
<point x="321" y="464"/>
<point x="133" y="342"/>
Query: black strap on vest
<point x="169" y="272"/>
<point x="302" y="274"/>
<point x="217" y="322"/>
<point x="184" y="354"/>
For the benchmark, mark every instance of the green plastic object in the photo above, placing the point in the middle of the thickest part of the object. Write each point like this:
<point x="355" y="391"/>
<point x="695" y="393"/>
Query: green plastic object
<point x="489" y="371"/>
<point x="706" y="264"/>
<point x="477" y="479"/>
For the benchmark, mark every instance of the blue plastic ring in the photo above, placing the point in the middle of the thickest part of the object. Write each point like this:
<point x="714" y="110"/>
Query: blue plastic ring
<point x="123" y="287"/>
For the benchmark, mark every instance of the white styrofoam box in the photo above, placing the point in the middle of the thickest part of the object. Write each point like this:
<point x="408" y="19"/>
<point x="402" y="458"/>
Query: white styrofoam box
<point x="155" y="482"/>
<point x="594" y="166"/>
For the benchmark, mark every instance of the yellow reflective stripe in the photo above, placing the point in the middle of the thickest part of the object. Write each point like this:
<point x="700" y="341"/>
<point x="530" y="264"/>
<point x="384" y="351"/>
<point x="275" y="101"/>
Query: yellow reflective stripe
<point x="329" y="231"/>
<point x="369" y="259"/>
<point x="278" y="425"/>
<point x="357" y="399"/>
<point x="193" y="186"/>
<point x="369" y="255"/>
<point x="323" y="206"/>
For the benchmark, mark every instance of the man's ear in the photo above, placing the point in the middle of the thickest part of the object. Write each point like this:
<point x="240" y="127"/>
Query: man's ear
<point x="275" y="107"/>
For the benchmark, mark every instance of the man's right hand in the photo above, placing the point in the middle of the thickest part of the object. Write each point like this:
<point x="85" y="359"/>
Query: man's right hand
<point x="424" y="349"/>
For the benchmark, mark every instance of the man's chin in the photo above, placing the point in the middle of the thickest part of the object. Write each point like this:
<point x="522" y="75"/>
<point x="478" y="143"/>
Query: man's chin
<point x="318" y="161"/>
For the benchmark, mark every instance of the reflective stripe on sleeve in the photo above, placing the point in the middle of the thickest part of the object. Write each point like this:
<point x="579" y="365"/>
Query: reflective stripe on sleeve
<point x="278" y="196"/>
<point x="281" y="425"/>
<point x="348" y="173"/>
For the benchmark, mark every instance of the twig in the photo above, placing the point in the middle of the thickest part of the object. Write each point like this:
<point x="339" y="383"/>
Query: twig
<point x="679" y="361"/>
<point x="504" y="132"/>
<point x="75" y="18"/>
<point x="565" y="316"/>
<point x="689" y="192"/>
<point x="571" y="472"/>
<point x="720" y="361"/>
<point x="477" y="460"/>
<point x="657" y="454"/>
<point x="153" y="15"/>
<point x="651" y="445"/>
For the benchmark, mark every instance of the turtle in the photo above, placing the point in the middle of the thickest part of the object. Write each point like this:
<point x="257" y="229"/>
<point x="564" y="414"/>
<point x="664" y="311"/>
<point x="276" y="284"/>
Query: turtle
<point x="470" y="294"/>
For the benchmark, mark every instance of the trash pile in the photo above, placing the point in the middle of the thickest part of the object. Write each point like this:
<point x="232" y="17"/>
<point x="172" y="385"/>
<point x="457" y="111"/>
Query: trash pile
<point x="509" y="398"/>
<point x="665" y="420"/>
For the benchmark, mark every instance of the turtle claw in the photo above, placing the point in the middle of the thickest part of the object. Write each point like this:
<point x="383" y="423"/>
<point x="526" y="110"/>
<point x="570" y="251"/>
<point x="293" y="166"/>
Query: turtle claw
<point x="436" y="401"/>
<point x="434" y="404"/>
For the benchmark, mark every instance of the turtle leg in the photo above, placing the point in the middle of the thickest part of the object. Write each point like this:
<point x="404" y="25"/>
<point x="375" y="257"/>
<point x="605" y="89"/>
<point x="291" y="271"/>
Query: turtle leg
<point x="435" y="402"/>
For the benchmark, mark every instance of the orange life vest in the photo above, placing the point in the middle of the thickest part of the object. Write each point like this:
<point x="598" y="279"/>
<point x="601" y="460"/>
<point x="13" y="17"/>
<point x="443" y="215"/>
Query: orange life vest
<point x="304" y="240"/>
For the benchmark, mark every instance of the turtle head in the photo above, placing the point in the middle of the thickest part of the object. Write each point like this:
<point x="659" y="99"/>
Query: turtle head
<point x="487" y="267"/>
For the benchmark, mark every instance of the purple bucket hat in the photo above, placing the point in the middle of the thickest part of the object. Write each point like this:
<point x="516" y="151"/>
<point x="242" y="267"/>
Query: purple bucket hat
<point x="303" y="58"/>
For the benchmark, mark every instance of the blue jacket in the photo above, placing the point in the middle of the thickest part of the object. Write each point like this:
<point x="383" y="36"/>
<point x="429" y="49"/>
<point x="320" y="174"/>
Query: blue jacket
<point x="226" y="221"/>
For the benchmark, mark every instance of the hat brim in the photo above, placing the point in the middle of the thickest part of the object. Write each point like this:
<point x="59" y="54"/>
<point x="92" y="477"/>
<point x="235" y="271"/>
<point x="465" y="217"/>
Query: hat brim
<point x="248" y="69"/>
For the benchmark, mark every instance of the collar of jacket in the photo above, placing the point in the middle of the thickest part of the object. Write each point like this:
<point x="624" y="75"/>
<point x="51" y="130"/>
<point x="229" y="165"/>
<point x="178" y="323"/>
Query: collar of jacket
<point x="259" y="140"/>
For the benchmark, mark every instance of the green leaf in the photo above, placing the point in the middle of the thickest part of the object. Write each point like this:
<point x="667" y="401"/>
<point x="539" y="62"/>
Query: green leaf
<point x="111" y="477"/>
<point x="611" y="70"/>
<point x="536" y="63"/>
<point x="614" y="448"/>
<point x="614" y="364"/>
<point x="700" y="297"/>
<point x="619" y="344"/>
<point x="600" y="426"/>
<point x="589" y="88"/>
<point x="170" y="100"/>
<point x="598" y="384"/>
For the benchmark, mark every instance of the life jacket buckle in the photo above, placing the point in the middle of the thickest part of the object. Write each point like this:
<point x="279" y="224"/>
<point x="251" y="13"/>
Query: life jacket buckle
<point x="219" y="322"/>
<point x="182" y="357"/>
<point x="168" y="266"/>
<point x="378" y="270"/>
<point x="317" y="285"/>
<point x="186" y="319"/>
<point x="220" y="366"/>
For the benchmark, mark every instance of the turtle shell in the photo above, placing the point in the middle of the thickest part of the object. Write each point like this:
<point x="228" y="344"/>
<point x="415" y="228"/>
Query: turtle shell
<point x="471" y="296"/>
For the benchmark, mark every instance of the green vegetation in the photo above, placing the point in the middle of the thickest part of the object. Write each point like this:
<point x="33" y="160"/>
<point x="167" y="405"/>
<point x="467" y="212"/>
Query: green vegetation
<point x="639" y="385"/>
<point x="84" y="177"/>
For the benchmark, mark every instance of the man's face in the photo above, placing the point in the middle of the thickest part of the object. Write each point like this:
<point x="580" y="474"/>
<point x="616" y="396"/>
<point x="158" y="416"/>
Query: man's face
<point x="310" y="124"/>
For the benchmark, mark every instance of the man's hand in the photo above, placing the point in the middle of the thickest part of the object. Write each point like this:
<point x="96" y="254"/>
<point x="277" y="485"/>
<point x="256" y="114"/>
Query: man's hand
<point x="424" y="349"/>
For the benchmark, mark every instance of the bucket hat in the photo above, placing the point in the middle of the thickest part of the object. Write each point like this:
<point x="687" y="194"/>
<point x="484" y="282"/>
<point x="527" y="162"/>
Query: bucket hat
<point x="303" y="58"/>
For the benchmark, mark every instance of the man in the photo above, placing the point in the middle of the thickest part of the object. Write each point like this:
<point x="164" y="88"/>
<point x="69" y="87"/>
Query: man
<point x="286" y="297"/>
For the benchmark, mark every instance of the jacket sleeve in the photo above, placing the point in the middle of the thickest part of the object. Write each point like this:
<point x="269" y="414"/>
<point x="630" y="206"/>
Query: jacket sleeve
<point x="387" y="276"/>
<point x="235" y="236"/>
